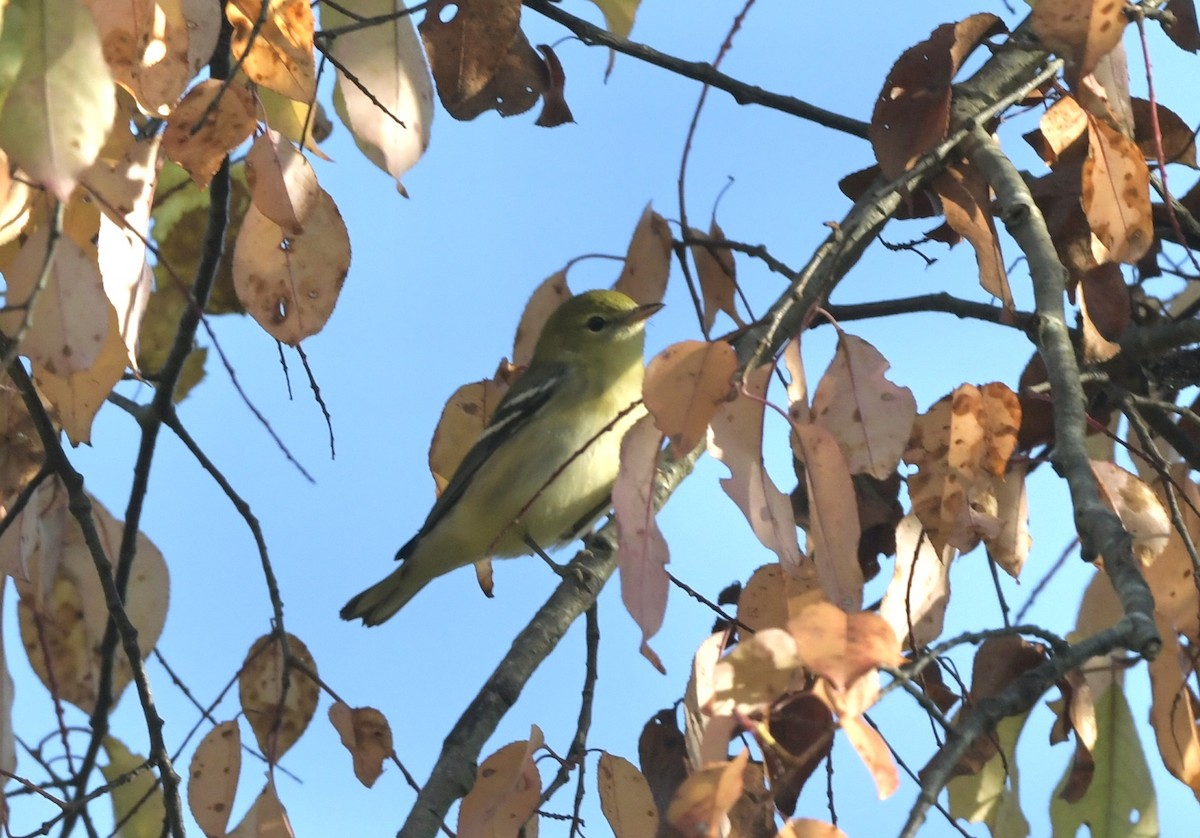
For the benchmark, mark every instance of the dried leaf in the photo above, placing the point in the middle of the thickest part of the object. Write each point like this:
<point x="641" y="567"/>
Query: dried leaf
<point x="545" y="299"/>
<point x="1079" y="31"/>
<point x="213" y="777"/>
<point x="282" y="183"/>
<point x="1116" y="195"/>
<point x="686" y="384"/>
<point x="843" y="647"/>
<point x="642" y="553"/>
<point x="138" y="803"/>
<point x="463" y="419"/>
<point x="809" y="828"/>
<point x="60" y="106"/>
<point x="277" y="718"/>
<point x="662" y="753"/>
<point x="833" y="525"/>
<point x="1010" y="547"/>
<point x="1105" y="309"/>
<point x="555" y="110"/>
<point x="198" y="139"/>
<point x="966" y="198"/>
<point x="874" y="753"/>
<point x="145" y="43"/>
<point x="870" y="417"/>
<point x="388" y="61"/>
<point x="1173" y="710"/>
<point x="625" y="798"/>
<point x="700" y="805"/>
<point x="1182" y="29"/>
<point x="915" y="601"/>
<point x="755" y="674"/>
<point x="505" y="794"/>
<point x="467" y="44"/>
<point x="290" y="283"/>
<point x="1140" y="511"/>
<point x="717" y="273"/>
<point x="280" y="54"/>
<point x="648" y="261"/>
<point x="735" y="439"/>
<point x="266" y="818"/>
<point x="1178" y="139"/>
<point x="802" y="727"/>
<point x="367" y="736"/>
<point x="1061" y="127"/>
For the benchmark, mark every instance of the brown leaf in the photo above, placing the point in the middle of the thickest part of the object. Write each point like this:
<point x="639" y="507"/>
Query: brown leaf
<point x="280" y="54"/>
<point x="913" y="109"/>
<point x="467" y="44"/>
<point x="1178" y="140"/>
<point x="1116" y="195"/>
<point x="916" y="205"/>
<point x="1173" y="710"/>
<point x="1141" y="513"/>
<point x="662" y="753"/>
<point x="642" y="553"/>
<point x="915" y="601"/>
<point x="1182" y="28"/>
<point x="648" y="261"/>
<point x="717" y="274"/>
<point x="685" y="385"/>
<point x="1059" y="130"/>
<point x="1170" y="577"/>
<point x="506" y="790"/>
<point x="843" y="647"/>
<point x="282" y="182"/>
<point x="809" y="828"/>
<point x="266" y="818"/>
<point x="755" y="674"/>
<point x="965" y="198"/>
<point x="555" y="110"/>
<point x="879" y="512"/>
<point x="1079" y="31"/>
<point x="802" y="727"/>
<point x="700" y="804"/>
<point x="545" y="299"/>
<point x="870" y="417"/>
<point x="736" y="441"/>
<point x="290" y="283"/>
<point x="1010" y="547"/>
<point x="145" y="44"/>
<point x="1105" y="309"/>
<point x="367" y="736"/>
<point x="213" y="777"/>
<point x="753" y="815"/>
<point x="625" y="798"/>
<point x="22" y="447"/>
<point x="833" y="525"/>
<point x="277" y="718"/>
<point x="198" y="139"/>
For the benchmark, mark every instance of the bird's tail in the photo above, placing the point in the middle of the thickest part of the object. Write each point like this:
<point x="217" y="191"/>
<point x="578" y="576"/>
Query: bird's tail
<point x="379" y="602"/>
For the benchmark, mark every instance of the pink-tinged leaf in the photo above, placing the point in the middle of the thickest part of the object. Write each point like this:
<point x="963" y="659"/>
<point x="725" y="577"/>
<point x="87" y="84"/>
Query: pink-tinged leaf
<point x="870" y="417"/>
<point x="146" y="45"/>
<point x="915" y="601"/>
<point x="797" y="388"/>
<point x="706" y="723"/>
<point x="391" y="125"/>
<point x="874" y="753"/>
<point x="266" y="819"/>
<point x="506" y="791"/>
<point x="834" y="527"/>
<point x="685" y="385"/>
<point x="69" y="320"/>
<point x="61" y="104"/>
<point x="290" y="283"/>
<point x="842" y="647"/>
<point x="282" y="183"/>
<point x="121" y="245"/>
<point x="648" y="262"/>
<point x="545" y="299"/>
<point x="642" y="552"/>
<point x="1010" y="547"/>
<point x="717" y="274"/>
<point x="735" y="438"/>
<point x="213" y="778"/>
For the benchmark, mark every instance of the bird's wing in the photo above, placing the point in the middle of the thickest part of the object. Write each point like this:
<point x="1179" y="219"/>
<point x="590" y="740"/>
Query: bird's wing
<point x="536" y="386"/>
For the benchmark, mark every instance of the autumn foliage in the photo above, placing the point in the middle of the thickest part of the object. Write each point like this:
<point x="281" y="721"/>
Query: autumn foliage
<point x="156" y="174"/>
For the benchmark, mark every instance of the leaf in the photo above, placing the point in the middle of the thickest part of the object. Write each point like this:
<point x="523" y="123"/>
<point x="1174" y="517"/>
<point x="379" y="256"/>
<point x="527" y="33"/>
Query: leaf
<point x="912" y="111"/>
<point x="1105" y="309"/>
<point x="717" y="273"/>
<point x="873" y="751"/>
<point x="463" y="419"/>
<point x="506" y="791"/>
<point x="213" y="778"/>
<point x="763" y="603"/>
<point x="700" y="804"/>
<point x="736" y="440"/>
<point x="1171" y="576"/>
<point x="841" y="647"/>
<point x="63" y="612"/>
<point x="60" y="105"/>
<point x="388" y="61"/>
<point x="1116" y="195"/>
<point x="304" y="122"/>
<point x="833" y="525"/>
<point x="625" y="798"/>
<point x="145" y="43"/>
<point x="707" y="727"/>
<point x="648" y="261"/>
<point x="801" y="729"/>
<point x="36" y="532"/>
<point x="1010" y="547"/>
<point x="618" y="15"/>
<point x="809" y="828"/>
<point x="870" y="417"/>
<point x="545" y="299"/>
<point x="1182" y="28"/>
<point x="966" y="198"/>
<point x="278" y="718"/>
<point x="662" y="753"/>
<point x="480" y="58"/>
<point x="1079" y="31"/>
<point x="266" y="818"/>
<point x="204" y="21"/>
<point x="198" y="138"/>
<point x="367" y="736"/>
<point x="282" y="183"/>
<point x="1120" y="799"/>
<point x="70" y="314"/>
<point x="138" y="803"/>
<point x="755" y="674"/>
<point x="23" y="450"/>
<point x="686" y="384"/>
<point x="1173" y="710"/>
<point x="555" y="110"/>
<point x="1140" y="511"/>
<point x="993" y="795"/>
<point x="1060" y="128"/>
<point x="8" y="742"/>
<point x="915" y="601"/>
<point x="280" y="54"/>
<point x="1178" y="141"/>
<point x="642" y="553"/>
<point x="290" y="283"/>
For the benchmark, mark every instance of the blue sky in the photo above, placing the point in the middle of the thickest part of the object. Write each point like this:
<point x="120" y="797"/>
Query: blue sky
<point x="436" y="286"/>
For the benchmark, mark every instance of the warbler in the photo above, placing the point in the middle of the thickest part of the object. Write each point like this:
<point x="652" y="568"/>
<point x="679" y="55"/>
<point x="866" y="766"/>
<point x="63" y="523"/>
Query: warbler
<point x="543" y="468"/>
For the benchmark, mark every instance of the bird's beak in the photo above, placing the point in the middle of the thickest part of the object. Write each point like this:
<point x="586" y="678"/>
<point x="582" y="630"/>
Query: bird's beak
<point x="641" y="313"/>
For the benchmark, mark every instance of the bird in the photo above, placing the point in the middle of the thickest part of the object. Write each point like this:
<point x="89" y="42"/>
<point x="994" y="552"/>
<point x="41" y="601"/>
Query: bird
<point x="542" y="470"/>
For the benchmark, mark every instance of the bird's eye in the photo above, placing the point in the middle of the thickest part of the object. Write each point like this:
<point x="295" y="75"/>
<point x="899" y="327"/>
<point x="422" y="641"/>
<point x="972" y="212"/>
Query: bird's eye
<point x="596" y="323"/>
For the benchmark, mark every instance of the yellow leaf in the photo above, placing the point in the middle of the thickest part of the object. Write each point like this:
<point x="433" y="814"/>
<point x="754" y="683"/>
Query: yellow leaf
<point x="992" y="796"/>
<point x="203" y="129"/>
<point x="280" y="54"/>
<point x="625" y="798"/>
<point x="506" y="791"/>
<point x="138" y="804"/>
